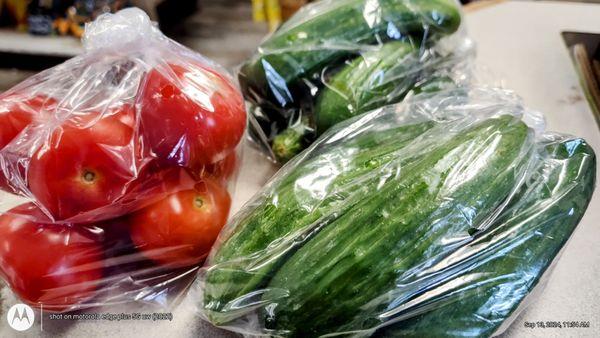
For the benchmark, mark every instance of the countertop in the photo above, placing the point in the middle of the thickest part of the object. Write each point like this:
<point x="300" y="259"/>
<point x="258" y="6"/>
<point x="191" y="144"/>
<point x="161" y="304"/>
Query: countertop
<point x="520" y="43"/>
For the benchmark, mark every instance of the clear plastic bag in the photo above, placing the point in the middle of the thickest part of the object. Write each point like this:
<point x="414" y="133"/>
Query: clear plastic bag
<point x="337" y="59"/>
<point x="116" y="167"/>
<point x="437" y="216"/>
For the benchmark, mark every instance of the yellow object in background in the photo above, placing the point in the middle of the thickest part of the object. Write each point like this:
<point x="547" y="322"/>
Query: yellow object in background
<point x="267" y="10"/>
<point x="273" y="14"/>
<point x="258" y="11"/>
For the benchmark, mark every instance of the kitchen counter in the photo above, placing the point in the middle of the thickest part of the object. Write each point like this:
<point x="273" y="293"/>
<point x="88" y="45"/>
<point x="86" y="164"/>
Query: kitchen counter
<point x="519" y="43"/>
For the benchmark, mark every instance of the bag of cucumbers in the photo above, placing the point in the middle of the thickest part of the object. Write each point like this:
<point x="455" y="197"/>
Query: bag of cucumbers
<point x="435" y="217"/>
<point x="335" y="59"/>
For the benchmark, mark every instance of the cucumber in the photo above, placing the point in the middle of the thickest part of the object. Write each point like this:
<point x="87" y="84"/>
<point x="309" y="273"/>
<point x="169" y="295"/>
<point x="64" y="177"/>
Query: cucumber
<point x="327" y="35"/>
<point x="238" y="263"/>
<point x="370" y="81"/>
<point x="502" y="265"/>
<point x="288" y="144"/>
<point x="342" y="181"/>
<point x="292" y="141"/>
<point x="397" y="230"/>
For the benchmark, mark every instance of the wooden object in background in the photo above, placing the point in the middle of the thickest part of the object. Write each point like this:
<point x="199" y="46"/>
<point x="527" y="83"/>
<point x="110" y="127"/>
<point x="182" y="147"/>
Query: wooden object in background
<point x="289" y="7"/>
<point x="18" y="11"/>
<point x="585" y="67"/>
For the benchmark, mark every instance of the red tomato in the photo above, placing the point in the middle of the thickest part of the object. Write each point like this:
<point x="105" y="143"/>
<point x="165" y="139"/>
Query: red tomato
<point x="16" y="113"/>
<point x="180" y="229"/>
<point x="191" y="115"/>
<point x="84" y="165"/>
<point x="53" y="265"/>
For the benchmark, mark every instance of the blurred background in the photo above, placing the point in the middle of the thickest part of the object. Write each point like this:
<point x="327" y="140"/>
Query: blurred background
<point x="38" y="34"/>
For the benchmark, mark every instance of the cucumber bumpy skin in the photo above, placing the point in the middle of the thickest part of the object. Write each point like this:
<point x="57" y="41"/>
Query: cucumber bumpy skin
<point x="502" y="265"/>
<point x="372" y="80"/>
<point x="332" y="108"/>
<point x="243" y="263"/>
<point x="291" y="212"/>
<point x="302" y="49"/>
<point x="398" y="229"/>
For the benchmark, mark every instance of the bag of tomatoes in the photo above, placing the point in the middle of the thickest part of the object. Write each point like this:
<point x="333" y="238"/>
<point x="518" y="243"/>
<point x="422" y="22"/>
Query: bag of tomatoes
<point x="115" y="169"/>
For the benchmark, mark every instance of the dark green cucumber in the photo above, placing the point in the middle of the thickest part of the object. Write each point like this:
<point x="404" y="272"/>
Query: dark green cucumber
<point x="289" y="209"/>
<point x="293" y="140"/>
<point x="304" y="46"/>
<point x="495" y="272"/>
<point x="372" y="80"/>
<point x="317" y="192"/>
<point x="402" y="226"/>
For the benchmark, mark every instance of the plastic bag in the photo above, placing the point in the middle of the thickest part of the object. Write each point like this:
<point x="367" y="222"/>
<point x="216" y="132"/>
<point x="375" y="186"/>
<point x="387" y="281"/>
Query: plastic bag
<point x="116" y="166"/>
<point x="337" y="59"/>
<point x="433" y="217"/>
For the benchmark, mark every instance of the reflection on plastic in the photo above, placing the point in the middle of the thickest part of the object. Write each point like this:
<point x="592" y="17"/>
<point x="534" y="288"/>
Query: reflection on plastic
<point x="434" y="217"/>
<point x="337" y="59"/>
<point x="122" y="158"/>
